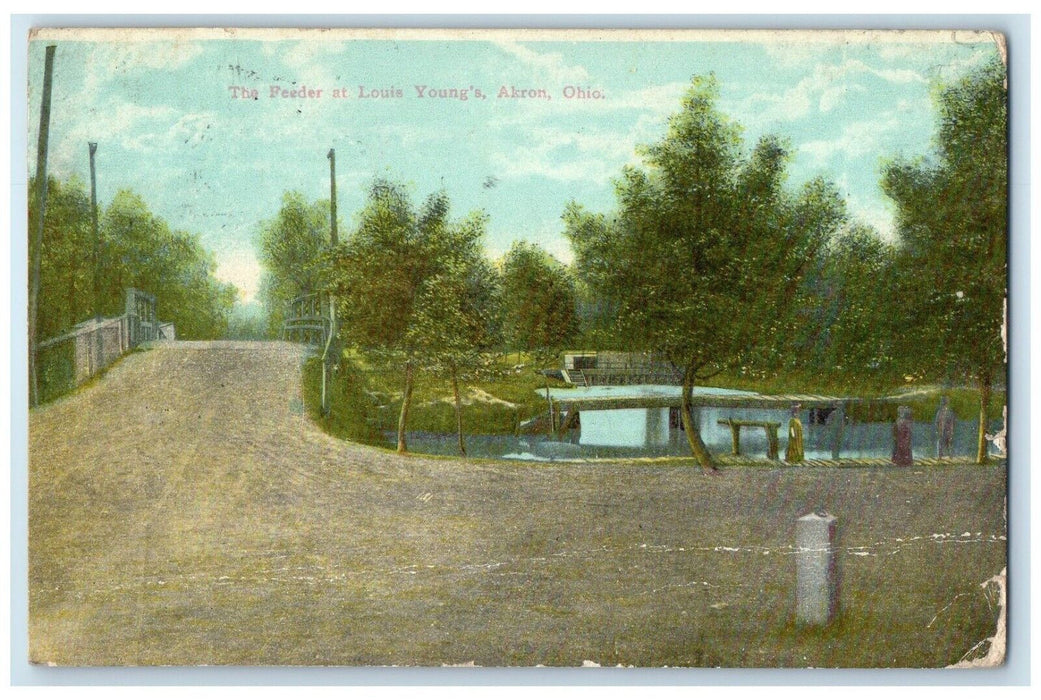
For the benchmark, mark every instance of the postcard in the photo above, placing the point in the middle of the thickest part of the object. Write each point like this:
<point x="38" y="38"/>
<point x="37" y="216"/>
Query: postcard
<point x="517" y="348"/>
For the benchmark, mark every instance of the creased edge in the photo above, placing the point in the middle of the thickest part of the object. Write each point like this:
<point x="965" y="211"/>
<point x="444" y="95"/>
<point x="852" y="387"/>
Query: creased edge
<point x="995" y="655"/>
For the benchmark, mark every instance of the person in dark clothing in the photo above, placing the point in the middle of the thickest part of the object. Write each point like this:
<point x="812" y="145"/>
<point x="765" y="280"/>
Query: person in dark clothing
<point x="902" y="437"/>
<point x="944" y="424"/>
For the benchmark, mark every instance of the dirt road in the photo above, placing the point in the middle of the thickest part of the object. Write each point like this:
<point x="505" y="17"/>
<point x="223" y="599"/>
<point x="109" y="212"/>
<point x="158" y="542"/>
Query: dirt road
<point x="183" y="510"/>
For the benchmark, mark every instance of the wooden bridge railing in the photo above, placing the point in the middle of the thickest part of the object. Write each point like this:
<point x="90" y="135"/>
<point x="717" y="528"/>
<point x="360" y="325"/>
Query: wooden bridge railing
<point x="308" y="320"/>
<point x="68" y="360"/>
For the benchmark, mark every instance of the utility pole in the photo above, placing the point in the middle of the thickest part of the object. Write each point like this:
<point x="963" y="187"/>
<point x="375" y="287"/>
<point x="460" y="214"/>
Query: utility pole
<point x="93" y="147"/>
<point x="333" y="236"/>
<point x="99" y="348"/>
<point x="331" y="356"/>
<point x="41" y="203"/>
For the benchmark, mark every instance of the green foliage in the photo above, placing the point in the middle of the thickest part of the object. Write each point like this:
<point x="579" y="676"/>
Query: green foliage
<point x="848" y="328"/>
<point x="538" y="302"/>
<point x="66" y="262"/>
<point x="953" y="227"/>
<point x="952" y="222"/>
<point x="706" y="253"/>
<point x="247" y="322"/>
<point x="366" y="399"/>
<point x="354" y="413"/>
<point x="56" y="370"/>
<point x="136" y="249"/>
<point x="411" y="283"/>
<point x="412" y="288"/>
<point x="454" y="319"/>
<point x="292" y="247"/>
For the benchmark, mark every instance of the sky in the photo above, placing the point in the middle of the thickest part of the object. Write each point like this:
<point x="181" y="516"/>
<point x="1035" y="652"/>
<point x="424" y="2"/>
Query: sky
<point x="177" y="120"/>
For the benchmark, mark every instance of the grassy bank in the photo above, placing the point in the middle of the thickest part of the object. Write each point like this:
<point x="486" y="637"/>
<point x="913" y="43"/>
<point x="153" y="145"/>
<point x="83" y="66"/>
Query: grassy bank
<point x="367" y="400"/>
<point x="923" y="398"/>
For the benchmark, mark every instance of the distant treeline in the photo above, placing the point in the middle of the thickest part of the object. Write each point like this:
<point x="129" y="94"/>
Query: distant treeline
<point x="135" y="249"/>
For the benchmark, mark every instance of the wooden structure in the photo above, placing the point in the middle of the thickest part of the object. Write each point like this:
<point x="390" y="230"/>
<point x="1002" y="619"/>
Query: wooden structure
<point x="141" y="313"/>
<point x="571" y="408"/>
<point x="308" y="320"/>
<point x="735" y="434"/>
<point x="70" y="359"/>
<point x="601" y="368"/>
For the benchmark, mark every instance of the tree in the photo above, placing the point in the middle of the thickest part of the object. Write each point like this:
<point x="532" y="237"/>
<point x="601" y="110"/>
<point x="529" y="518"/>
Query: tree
<point x="292" y="250"/>
<point x="847" y="329"/>
<point x="706" y="253"/>
<point x="952" y="221"/>
<point x="66" y="269"/>
<point x="539" y="301"/>
<point x="453" y="326"/>
<point x="398" y="280"/>
<point x="137" y="249"/>
<point x="140" y="250"/>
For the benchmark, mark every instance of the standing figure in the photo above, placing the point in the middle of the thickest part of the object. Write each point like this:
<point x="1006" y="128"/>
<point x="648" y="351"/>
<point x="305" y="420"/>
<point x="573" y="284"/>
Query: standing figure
<point x="835" y="422"/>
<point x="793" y="452"/>
<point x="902" y="437"/>
<point x="944" y="424"/>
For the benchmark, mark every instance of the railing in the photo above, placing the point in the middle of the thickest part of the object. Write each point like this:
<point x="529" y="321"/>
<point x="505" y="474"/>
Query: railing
<point x="68" y="360"/>
<point x="142" y="319"/>
<point x="591" y="368"/>
<point x="307" y="320"/>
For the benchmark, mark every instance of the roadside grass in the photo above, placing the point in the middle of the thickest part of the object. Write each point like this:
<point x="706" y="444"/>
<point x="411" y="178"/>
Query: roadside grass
<point x="923" y="398"/>
<point x="367" y="399"/>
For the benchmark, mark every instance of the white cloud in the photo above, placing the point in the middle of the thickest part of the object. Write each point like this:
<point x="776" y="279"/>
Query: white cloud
<point x="822" y="90"/>
<point x="795" y="54"/>
<point x="526" y="162"/>
<point x="571" y="155"/>
<point x="549" y="67"/>
<point x="856" y="140"/>
<point x="190" y="130"/>
<point x="832" y="96"/>
<point x="110" y="62"/>
<point x="547" y="235"/>
<point x="568" y="155"/>
<point x="559" y="247"/>
<point x="877" y="215"/>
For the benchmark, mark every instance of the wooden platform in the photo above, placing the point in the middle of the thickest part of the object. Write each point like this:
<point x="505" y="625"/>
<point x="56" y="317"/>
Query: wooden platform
<point x="735" y="434"/>
<point x="775" y="401"/>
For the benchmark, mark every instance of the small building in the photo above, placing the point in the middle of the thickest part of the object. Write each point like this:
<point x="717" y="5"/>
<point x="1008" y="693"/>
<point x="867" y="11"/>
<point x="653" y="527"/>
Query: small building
<point x="597" y="368"/>
<point x="579" y="360"/>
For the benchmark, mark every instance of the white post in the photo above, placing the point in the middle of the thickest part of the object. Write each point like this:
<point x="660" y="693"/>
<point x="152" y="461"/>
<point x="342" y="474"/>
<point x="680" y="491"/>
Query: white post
<point x="817" y="580"/>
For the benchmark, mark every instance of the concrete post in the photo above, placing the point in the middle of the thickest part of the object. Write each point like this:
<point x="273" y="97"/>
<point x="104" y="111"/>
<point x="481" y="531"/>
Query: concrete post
<point x="817" y="580"/>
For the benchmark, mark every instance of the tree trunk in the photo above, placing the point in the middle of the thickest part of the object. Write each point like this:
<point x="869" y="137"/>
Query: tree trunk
<point x="406" y="402"/>
<point x="981" y="443"/>
<point x="690" y="428"/>
<point x="458" y="411"/>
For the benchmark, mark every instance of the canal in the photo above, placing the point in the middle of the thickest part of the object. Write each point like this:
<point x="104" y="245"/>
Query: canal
<point x="655" y="432"/>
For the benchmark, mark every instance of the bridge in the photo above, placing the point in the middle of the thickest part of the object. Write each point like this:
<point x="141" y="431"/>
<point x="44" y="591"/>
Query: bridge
<point x="68" y="360"/>
<point x="308" y="320"/>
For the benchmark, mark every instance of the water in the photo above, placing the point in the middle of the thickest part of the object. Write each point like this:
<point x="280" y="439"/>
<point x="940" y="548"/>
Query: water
<point x="648" y="433"/>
